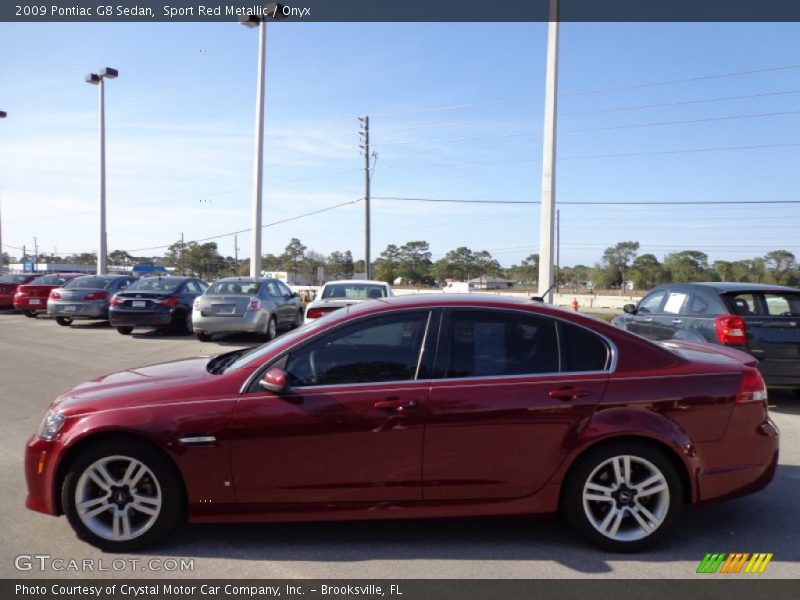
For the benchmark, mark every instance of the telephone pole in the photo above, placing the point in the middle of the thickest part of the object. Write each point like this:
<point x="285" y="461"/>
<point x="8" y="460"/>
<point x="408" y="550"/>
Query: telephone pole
<point x="3" y="115"/>
<point x="365" y="147"/>
<point x="236" y="253"/>
<point x="558" y="245"/>
<point x="181" y="256"/>
<point x="546" y="279"/>
<point x="35" y="251"/>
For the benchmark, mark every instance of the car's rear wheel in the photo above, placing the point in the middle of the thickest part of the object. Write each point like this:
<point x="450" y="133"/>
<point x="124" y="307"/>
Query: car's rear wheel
<point x="272" y="328"/>
<point x="31" y="314"/>
<point x="623" y="496"/>
<point x="298" y="319"/>
<point x="202" y="336"/>
<point x="64" y="321"/>
<point x="124" y="329"/>
<point x="122" y="495"/>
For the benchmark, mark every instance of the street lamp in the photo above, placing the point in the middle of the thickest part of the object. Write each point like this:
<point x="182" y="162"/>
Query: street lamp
<point x="270" y="11"/>
<point x="3" y="115"/>
<point x="98" y="79"/>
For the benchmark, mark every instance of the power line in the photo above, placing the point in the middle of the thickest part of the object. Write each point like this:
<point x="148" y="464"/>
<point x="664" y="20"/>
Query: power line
<point x="590" y="203"/>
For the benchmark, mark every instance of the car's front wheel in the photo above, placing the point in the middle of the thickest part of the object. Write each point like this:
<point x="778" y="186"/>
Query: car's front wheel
<point x="124" y="329"/>
<point x="623" y="496"/>
<point x="121" y="496"/>
<point x="64" y="321"/>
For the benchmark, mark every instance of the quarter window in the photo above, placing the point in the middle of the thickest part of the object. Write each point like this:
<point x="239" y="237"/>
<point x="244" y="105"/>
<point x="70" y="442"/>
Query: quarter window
<point x="581" y="349"/>
<point x="497" y="344"/>
<point x="377" y="350"/>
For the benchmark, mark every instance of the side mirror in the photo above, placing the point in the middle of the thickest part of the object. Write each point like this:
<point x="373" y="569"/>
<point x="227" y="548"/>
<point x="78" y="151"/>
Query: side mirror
<point x="275" y="380"/>
<point x="630" y="309"/>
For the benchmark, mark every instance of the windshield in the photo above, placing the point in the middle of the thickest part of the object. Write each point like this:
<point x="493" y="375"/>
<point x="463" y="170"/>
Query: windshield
<point x="246" y="288"/>
<point x="94" y="283"/>
<point x="353" y="290"/>
<point x="13" y="278"/>
<point x="287" y="339"/>
<point x="155" y="285"/>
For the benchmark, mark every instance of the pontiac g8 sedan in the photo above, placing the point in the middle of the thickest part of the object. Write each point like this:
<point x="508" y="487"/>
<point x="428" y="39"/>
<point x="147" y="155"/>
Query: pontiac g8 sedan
<point x="417" y="406"/>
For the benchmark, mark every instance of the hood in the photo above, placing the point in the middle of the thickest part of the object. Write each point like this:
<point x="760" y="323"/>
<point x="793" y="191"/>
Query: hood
<point x="138" y="386"/>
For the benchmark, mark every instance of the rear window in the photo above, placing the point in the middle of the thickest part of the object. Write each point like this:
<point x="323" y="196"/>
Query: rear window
<point x="233" y="287"/>
<point x="155" y="285"/>
<point x="93" y="283"/>
<point x="49" y="280"/>
<point x="772" y="304"/>
<point x="353" y="290"/>
<point x="13" y="279"/>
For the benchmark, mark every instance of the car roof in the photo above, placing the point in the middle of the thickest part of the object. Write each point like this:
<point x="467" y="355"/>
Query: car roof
<point x="371" y="281"/>
<point x="241" y="280"/>
<point x="735" y="286"/>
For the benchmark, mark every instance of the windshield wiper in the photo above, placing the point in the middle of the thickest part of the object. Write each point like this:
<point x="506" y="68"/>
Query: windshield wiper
<point x="217" y="364"/>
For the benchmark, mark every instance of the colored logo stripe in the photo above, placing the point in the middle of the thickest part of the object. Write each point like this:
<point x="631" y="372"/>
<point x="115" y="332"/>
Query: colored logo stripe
<point x="734" y="563"/>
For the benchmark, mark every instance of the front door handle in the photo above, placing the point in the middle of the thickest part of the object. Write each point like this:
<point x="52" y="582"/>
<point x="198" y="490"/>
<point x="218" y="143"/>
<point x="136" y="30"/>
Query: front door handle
<point x="648" y="319"/>
<point x="397" y="405"/>
<point x="677" y="321"/>
<point x="569" y="393"/>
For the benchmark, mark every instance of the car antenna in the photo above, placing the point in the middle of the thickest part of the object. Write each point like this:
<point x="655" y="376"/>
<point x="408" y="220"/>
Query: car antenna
<point x="541" y="298"/>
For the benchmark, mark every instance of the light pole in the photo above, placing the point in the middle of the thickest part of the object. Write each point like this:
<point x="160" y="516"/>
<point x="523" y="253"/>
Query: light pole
<point x="95" y="79"/>
<point x="270" y="11"/>
<point x="546" y="275"/>
<point x="3" y="115"/>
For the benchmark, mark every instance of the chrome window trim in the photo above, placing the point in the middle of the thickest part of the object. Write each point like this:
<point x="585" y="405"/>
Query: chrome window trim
<point x="611" y="361"/>
<point x="422" y="346"/>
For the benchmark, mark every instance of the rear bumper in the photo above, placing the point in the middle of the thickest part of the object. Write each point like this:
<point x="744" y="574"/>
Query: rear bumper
<point x="252" y="322"/>
<point x="31" y="304"/>
<point x="743" y="461"/>
<point x="132" y="318"/>
<point x="6" y="300"/>
<point x="77" y="310"/>
<point x="780" y="372"/>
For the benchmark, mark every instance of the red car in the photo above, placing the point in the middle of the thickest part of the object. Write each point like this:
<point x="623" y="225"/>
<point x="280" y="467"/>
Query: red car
<point x="417" y="406"/>
<point x="8" y="287"/>
<point x="31" y="298"/>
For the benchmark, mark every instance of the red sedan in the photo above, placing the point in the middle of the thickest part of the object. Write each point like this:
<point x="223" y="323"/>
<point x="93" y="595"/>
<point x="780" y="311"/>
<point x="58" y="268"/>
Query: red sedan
<point x="9" y="285"/>
<point x="31" y="298"/>
<point x="417" y="406"/>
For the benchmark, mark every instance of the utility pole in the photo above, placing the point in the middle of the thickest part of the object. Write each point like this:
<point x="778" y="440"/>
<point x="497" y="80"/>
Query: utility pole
<point x="236" y="253"/>
<point x="35" y="251"/>
<point x="546" y="279"/>
<point x="181" y="255"/>
<point x="3" y="115"/>
<point x="365" y="146"/>
<point x="558" y="246"/>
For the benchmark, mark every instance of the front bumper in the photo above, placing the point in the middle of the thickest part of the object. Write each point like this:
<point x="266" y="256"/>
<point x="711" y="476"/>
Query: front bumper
<point x="78" y="309"/>
<point x="250" y="322"/>
<point x="41" y="465"/>
<point x="132" y="318"/>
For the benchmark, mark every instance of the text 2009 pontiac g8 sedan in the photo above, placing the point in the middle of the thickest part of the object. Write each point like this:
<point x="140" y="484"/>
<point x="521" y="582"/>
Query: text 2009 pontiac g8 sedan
<point x="420" y="406"/>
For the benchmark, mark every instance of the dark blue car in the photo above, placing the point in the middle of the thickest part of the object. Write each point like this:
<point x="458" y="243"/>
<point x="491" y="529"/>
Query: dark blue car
<point x="164" y="302"/>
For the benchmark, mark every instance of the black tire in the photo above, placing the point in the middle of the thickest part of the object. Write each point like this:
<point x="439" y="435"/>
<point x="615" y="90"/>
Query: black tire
<point x="124" y="329"/>
<point x="631" y="536"/>
<point x="202" y="336"/>
<point x="271" y="332"/>
<point x="31" y="314"/>
<point x="64" y="321"/>
<point x="182" y="323"/>
<point x="298" y="319"/>
<point x="796" y="392"/>
<point x="162" y="479"/>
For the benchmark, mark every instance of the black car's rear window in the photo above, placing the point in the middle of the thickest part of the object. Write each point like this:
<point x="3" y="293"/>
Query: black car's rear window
<point x="764" y="304"/>
<point x="90" y="283"/>
<point x="155" y="285"/>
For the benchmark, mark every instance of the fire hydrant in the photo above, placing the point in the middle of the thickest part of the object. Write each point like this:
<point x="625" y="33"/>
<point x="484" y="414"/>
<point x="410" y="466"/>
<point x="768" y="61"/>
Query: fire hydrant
<point x="574" y="304"/>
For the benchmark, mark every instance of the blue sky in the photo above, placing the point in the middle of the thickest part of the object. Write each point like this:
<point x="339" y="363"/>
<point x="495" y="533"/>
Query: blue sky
<point x="455" y="113"/>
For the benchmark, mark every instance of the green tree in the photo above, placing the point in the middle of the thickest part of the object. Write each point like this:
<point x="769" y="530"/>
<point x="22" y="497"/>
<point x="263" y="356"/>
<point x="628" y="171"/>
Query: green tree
<point x="292" y="257"/>
<point x="617" y="260"/>
<point x="646" y="271"/>
<point x="387" y="267"/>
<point x="781" y="265"/>
<point x="415" y="261"/>
<point x="687" y="265"/>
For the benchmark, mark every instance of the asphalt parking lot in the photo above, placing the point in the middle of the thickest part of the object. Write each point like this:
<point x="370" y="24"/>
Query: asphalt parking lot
<point x="39" y="360"/>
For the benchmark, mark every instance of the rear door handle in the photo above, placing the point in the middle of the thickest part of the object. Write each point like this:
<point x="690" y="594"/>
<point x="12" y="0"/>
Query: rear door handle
<point x="397" y="405"/>
<point x="648" y="319"/>
<point x="677" y="321"/>
<point x="569" y="393"/>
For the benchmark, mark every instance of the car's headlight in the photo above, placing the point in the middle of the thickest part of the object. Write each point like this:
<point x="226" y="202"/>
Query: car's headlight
<point x="51" y="425"/>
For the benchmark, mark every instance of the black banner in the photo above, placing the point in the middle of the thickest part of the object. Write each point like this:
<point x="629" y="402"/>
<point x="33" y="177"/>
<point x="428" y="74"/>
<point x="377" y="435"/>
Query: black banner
<point x="388" y="11"/>
<point x="704" y="587"/>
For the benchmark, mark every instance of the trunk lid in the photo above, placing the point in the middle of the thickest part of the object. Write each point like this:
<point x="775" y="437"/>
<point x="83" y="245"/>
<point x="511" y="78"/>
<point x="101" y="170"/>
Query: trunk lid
<point x="224" y="305"/>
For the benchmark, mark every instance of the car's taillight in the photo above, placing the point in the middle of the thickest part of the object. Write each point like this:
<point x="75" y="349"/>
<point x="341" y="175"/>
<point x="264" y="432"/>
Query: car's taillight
<point x="196" y="304"/>
<point x="171" y="301"/>
<point x="54" y="295"/>
<point x="116" y="301"/>
<point x="751" y="387"/>
<point x="316" y="313"/>
<point x="255" y="304"/>
<point x="96" y="296"/>
<point x="730" y="330"/>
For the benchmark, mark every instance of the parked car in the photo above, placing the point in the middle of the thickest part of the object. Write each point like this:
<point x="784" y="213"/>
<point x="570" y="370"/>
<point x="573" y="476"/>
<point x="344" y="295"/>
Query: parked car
<point x="31" y="298"/>
<point x="337" y="294"/>
<point x="521" y="408"/>
<point x="238" y="304"/>
<point x="9" y="285"/>
<point x="164" y="302"/>
<point x="86" y="297"/>
<point x="763" y="320"/>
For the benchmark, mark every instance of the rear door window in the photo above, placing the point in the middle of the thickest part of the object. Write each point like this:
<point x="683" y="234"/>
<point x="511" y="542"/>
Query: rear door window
<point x="581" y="349"/>
<point x="675" y="302"/>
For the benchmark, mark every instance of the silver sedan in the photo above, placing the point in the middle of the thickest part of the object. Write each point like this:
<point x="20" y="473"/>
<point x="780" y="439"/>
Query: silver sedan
<point x="85" y="297"/>
<point x="237" y="304"/>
